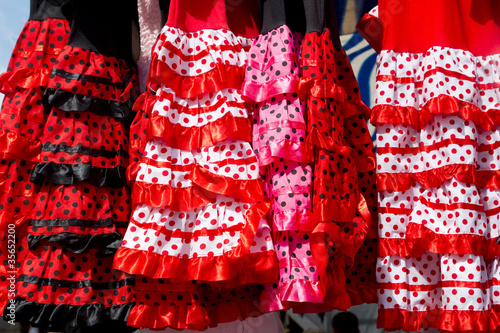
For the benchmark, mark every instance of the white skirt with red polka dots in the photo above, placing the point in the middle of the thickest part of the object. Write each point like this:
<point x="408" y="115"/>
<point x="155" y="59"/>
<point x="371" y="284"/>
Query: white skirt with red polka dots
<point x="438" y="166"/>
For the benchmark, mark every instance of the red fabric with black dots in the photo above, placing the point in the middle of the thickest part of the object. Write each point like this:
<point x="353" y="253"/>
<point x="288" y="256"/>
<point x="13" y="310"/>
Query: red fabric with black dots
<point x="83" y="137"/>
<point x="114" y="79"/>
<point x="18" y="193"/>
<point x="88" y="278"/>
<point x="35" y="53"/>
<point x="192" y="306"/>
<point x="79" y="209"/>
<point x="21" y="123"/>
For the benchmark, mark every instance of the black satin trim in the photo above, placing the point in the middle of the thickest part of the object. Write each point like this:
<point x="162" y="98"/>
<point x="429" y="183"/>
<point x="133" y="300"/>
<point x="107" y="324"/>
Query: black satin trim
<point x="73" y="222"/>
<point x="55" y="148"/>
<point x="76" y="284"/>
<point x="89" y="78"/>
<point x="64" y="318"/>
<point x="67" y="174"/>
<point x="107" y="244"/>
<point x="54" y="282"/>
<point x="68" y="101"/>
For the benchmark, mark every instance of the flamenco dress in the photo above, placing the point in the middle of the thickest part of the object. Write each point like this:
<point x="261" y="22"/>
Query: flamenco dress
<point x="437" y="126"/>
<point x="198" y="240"/>
<point x="316" y="156"/>
<point x="21" y="123"/>
<point x="82" y="206"/>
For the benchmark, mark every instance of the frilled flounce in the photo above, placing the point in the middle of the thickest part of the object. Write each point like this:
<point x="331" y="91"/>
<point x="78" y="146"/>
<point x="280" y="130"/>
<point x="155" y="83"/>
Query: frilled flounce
<point x="439" y="105"/>
<point x="14" y="145"/>
<point x="85" y="72"/>
<point x="420" y="239"/>
<point x="194" y="317"/>
<point x="209" y="268"/>
<point x="70" y="101"/>
<point x="67" y="174"/>
<point x="67" y="318"/>
<point x="445" y="320"/>
<point x="187" y="138"/>
<point x="220" y="77"/>
<point x="435" y="177"/>
<point x="412" y="87"/>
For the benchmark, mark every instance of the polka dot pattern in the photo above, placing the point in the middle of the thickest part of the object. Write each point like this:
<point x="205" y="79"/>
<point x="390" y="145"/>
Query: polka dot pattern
<point x="170" y="166"/>
<point x="99" y="76"/>
<point x="36" y="51"/>
<point x="195" y="53"/>
<point x="413" y="79"/>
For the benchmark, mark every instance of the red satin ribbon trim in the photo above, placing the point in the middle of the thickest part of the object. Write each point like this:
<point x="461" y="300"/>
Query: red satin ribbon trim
<point x="431" y="178"/>
<point x="189" y="138"/>
<point x="200" y="109"/>
<point x="335" y="210"/>
<point x="427" y="149"/>
<point x="222" y="76"/>
<point x="443" y="104"/>
<point x="242" y="190"/>
<point x="24" y="78"/>
<point x="164" y="315"/>
<point x="446" y="243"/>
<point x="178" y="199"/>
<point x="15" y="145"/>
<point x="449" y="320"/>
<point x="189" y="167"/>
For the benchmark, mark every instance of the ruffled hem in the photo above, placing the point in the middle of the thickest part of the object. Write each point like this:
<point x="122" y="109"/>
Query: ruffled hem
<point x="207" y="185"/>
<point x="190" y="138"/>
<point x="69" y="101"/>
<point x="294" y="220"/>
<point x="320" y="89"/>
<point x="436" y="243"/>
<point x="68" y="318"/>
<point x="259" y="92"/>
<point x="446" y="320"/>
<point x="442" y="104"/>
<point x="107" y="243"/>
<point x="14" y="145"/>
<point x="220" y="77"/>
<point x="37" y="47"/>
<point x="211" y="268"/>
<point x="193" y="317"/>
<point x="25" y="78"/>
<point x="434" y="178"/>
<point x="67" y="174"/>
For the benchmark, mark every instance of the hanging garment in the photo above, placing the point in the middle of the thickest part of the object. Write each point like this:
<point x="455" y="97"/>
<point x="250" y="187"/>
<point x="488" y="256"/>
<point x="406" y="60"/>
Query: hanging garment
<point x="82" y="206"/>
<point x="198" y="239"/>
<point x="21" y="127"/>
<point x="437" y="152"/>
<point x="316" y="156"/>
